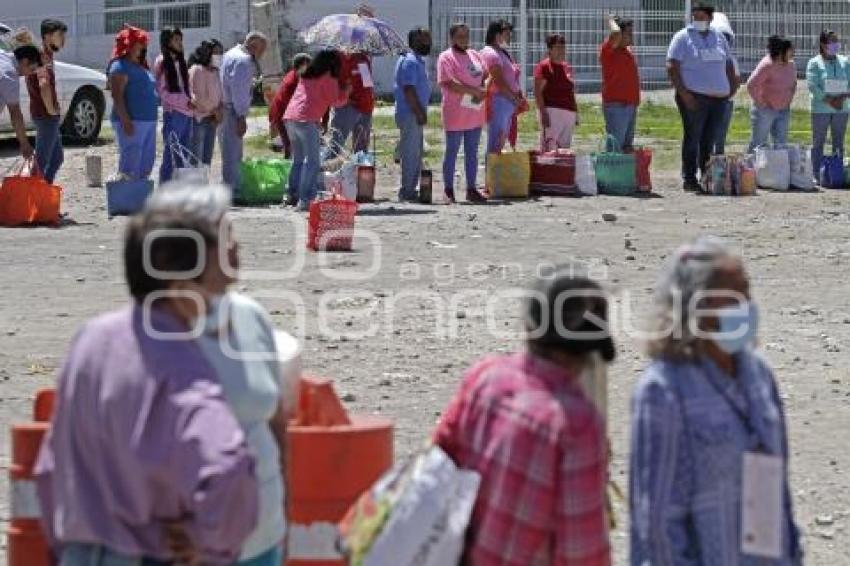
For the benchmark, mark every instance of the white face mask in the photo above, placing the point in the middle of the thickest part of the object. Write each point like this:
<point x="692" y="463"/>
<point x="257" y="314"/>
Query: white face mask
<point x="701" y="26"/>
<point x="216" y="61"/>
<point x="218" y="313"/>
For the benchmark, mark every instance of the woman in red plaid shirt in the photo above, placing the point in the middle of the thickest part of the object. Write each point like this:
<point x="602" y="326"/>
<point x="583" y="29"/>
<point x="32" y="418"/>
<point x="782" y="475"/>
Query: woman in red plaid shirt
<point x="525" y="424"/>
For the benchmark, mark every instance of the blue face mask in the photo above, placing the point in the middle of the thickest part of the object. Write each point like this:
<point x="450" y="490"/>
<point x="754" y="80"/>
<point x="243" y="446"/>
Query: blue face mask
<point x="738" y="327"/>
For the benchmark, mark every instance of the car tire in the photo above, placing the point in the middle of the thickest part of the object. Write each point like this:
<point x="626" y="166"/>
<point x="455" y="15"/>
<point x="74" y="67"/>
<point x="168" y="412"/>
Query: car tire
<point x="85" y="116"/>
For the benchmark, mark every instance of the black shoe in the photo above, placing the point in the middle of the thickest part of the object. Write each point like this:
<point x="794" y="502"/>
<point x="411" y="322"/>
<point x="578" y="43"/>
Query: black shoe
<point x="472" y="195"/>
<point x="408" y="198"/>
<point x="691" y="187"/>
<point x="291" y="200"/>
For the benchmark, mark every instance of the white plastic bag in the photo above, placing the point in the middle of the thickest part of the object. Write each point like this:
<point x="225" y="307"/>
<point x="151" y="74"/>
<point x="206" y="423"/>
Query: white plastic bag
<point x="773" y="169"/>
<point x="348" y="179"/>
<point x="802" y="173"/>
<point x="187" y="167"/>
<point x="586" y="175"/>
<point x="428" y="520"/>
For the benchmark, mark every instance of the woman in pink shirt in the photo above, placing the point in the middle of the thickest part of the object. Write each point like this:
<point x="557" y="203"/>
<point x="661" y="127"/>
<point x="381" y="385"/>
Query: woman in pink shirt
<point x="320" y="88"/>
<point x="772" y="86"/>
<point x="461" y="76"/>
<point x="205" y="86"/>
<point x="172" y="84"/>
<point x="505" y="92"/>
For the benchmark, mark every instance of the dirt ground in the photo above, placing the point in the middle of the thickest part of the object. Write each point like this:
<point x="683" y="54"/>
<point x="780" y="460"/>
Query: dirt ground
<point x="435" y="292"/>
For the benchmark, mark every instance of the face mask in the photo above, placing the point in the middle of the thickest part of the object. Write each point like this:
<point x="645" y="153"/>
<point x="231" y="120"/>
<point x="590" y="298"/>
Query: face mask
<point x="833" y="49"/>
<point x="738" y="327"/>
<point x="216" y="61"/>
<point x="701" y="26"/>
<point x="217" y="314"/>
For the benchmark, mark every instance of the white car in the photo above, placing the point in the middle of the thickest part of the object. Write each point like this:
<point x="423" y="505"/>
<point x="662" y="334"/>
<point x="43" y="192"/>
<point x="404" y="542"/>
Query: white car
<point x="82" y="98"/>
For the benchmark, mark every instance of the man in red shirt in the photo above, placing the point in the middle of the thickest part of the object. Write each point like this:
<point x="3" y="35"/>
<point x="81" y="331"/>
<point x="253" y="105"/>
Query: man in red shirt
<point x="524" y="422"/>
<point x="44" y="104"/>
<point x="555" y="94"/>
<point x="620" y="82"/>
<point x="355" y="118"/>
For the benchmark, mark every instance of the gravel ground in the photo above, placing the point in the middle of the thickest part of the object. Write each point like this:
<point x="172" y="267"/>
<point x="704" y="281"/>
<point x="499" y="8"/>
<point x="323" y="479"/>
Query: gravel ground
<point x="434" y="300"/>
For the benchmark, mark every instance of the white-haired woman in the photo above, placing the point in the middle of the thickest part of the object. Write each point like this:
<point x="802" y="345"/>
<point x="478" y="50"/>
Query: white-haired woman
<point x="709" y="453"/>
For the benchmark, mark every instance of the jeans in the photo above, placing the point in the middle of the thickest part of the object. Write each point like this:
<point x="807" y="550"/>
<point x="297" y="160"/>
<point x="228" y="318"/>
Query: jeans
<point x="723" y="128"/>
<point x="306" y="161"/>
<point x="79" y="554"/>
<point x="48" y="147"/>
<point x="411" y="148"/>
<point x="620" y="121"/>
<point x="174" y="124"/>
<point x="499" y="126"/>
<point x="231" y="150"/>
<point x="348" y="121"/>
<point x="701" y="128"/>
<point x="837" y="123"/>
<point x="274" y="557"/>
<point x="471" y="140"/>
<point x="766" y="123"/>
<point x="203" y="140"/>
<point x="137" y="153"/>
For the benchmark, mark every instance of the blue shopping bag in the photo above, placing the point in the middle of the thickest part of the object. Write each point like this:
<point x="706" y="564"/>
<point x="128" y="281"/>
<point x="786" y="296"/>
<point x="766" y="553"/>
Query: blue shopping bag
<point x="125" y="198"/>
<point x="832" y="172"/>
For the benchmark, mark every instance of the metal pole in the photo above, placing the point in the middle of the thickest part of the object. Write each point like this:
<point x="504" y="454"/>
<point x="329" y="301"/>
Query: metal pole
<point x="687" y="12"/>
<point x="75" y="31"/>
<point x="523" y="49"/>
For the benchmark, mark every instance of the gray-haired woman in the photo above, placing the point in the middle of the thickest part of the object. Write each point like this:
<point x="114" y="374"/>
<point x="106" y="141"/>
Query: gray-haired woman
<point x="709" y="454"/>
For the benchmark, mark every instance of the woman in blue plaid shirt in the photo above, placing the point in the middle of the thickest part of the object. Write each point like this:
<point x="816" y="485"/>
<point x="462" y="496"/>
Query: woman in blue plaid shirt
<point x="709" y="453"/>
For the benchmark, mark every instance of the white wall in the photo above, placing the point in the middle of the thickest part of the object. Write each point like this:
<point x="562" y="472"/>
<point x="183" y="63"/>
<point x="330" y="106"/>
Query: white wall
<point x="401" y="14"/>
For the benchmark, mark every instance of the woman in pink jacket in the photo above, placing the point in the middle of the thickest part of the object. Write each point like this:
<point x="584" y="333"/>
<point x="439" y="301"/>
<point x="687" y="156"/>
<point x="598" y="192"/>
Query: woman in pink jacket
<point x="320" y="88"/>
<point x="772" y="86"/>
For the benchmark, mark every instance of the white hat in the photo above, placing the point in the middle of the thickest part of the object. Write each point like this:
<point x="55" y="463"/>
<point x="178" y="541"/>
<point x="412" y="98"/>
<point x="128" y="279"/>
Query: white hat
<point x="720" y="24"/>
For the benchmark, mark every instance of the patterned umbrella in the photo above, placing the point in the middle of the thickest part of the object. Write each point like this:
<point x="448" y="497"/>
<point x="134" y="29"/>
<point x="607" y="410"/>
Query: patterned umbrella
<point x="354" y="32"/>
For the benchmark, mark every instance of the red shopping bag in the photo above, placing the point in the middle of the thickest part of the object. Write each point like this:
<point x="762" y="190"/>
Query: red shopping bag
<point x="26" y="198"/>
<point x="643" y="159"/>
<point x="331" y="224"/>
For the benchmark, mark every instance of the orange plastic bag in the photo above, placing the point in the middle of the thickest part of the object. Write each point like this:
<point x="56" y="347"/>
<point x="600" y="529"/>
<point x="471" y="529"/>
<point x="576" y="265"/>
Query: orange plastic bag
<point x="331" y="224"/>
<point x="26" y="198"/>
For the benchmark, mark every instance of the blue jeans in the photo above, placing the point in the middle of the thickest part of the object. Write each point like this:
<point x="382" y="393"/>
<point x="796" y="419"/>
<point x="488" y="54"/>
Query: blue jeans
<point x="137" y="153"/>
<point x="348" y="121"/>
<point x="78" y="554"/>
<point x="723" y="128"/>
<point x="231" y="150"/>
<point x="411" y="148"/>
<point x="701" y="128"/>
<point x="821" y="123"/>
<point x="766" y="123"/>
<point x="203" y="140"/>
<point x="499" y="125"/>
<point x="306" y="161"/>
<point x="179" y="125"/>
<point x="620" y="120"/>
<point x="48" y="147"/>
<point x="471" y="139"/>
<point x="273" y="557"/>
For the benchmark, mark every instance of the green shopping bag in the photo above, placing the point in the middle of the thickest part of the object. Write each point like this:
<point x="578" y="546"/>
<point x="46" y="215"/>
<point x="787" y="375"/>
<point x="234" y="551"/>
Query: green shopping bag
<point x="616" y="173"/>
<point x="263" y="180"/>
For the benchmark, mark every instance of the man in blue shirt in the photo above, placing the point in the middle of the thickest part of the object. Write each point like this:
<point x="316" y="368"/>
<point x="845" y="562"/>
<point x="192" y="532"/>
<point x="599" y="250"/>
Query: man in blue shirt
<point x="238" y="68"/>
<point x="412" y="93"/>
<point x="701" y="69"/>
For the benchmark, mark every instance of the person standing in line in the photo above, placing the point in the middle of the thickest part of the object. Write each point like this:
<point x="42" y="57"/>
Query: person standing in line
<point x="24" y="61"/>
<point x="238" y="68"/>
<point x="144" y="462"/>
<point x="44" y="103"/>
<point x="504" y="93"/>
<point x="461" y="76"/>
<point x="524" y="422"/>
<point x="721" y="24"/>
<point x="620" y="82"/>
<point x="709" y="447"/>
<point x="555" y="93"/>
<point x="772" y="86"/>
<point x="828" y="77"/>
<point x="178" y="110"/>
<point x="205" y="87"/>
<point x="700" y="67"/>
<point x="412" y="94"/>
<point x="135" y="104"/>
<point x="321" y="86"/>
<point x="281" y="100"/>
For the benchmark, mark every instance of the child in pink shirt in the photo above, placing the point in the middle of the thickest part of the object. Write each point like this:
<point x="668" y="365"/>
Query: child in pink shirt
<point x="772" y="86"/>
<point x="318" y="90"/>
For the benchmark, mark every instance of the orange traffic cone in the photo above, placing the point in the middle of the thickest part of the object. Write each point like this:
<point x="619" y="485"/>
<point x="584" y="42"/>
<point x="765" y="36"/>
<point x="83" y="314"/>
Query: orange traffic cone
<point x="26" y="543"/>
<point x="332" y="459"/>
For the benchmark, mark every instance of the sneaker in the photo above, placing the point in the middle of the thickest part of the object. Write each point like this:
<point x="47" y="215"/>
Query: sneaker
<point x="450" y="195"/>
<point x="472" y="195"/>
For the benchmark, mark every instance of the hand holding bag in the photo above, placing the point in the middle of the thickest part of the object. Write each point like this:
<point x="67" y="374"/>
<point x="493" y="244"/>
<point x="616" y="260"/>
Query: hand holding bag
<point x="27" y="198"/>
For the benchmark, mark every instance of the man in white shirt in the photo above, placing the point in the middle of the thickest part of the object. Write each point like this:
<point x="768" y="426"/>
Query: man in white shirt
<point x="22" y="62"/>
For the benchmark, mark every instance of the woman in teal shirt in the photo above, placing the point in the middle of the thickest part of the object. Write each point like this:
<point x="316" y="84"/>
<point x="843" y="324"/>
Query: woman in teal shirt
<point x="828" y="77"/>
